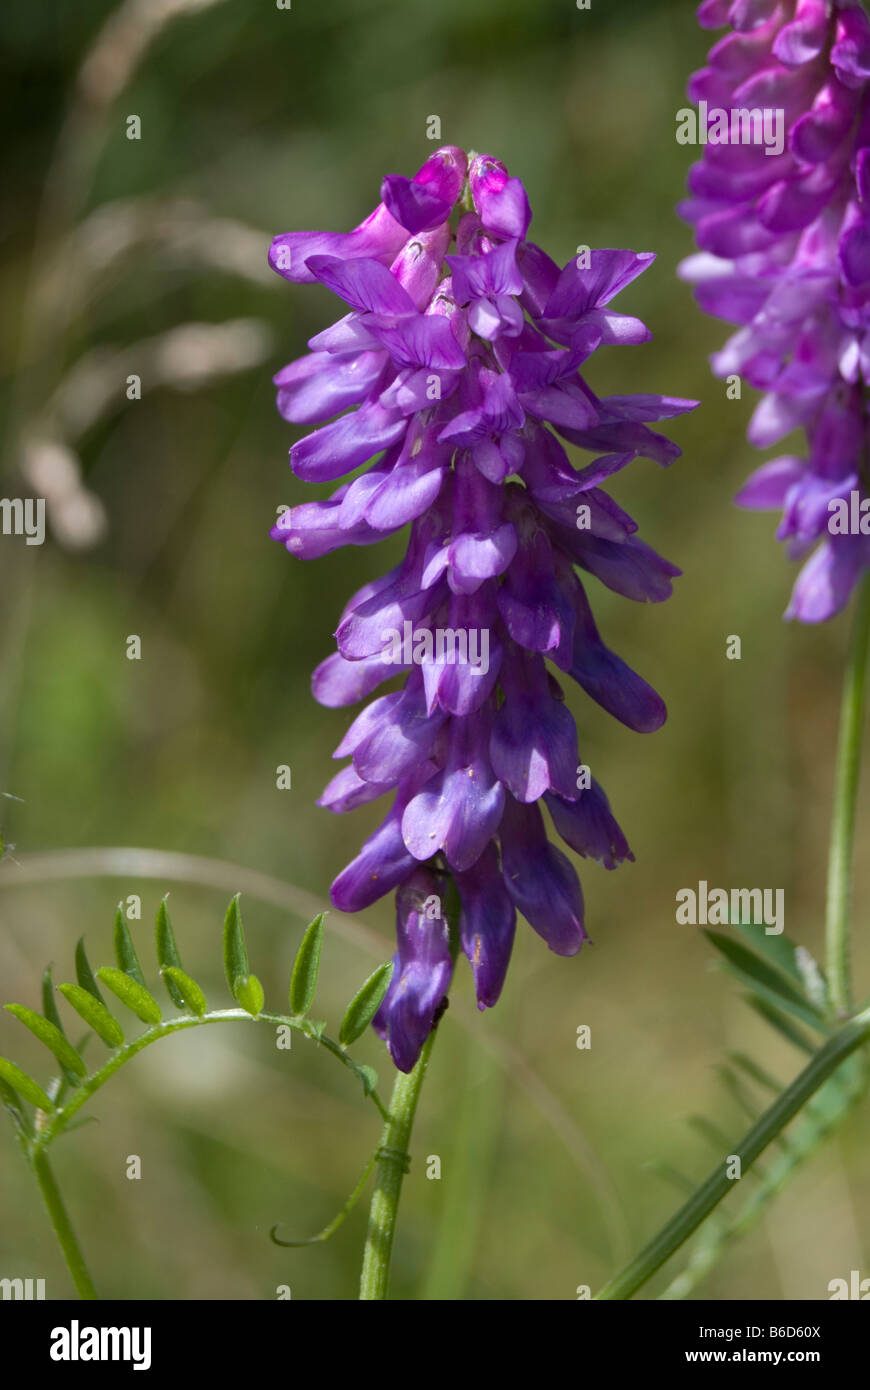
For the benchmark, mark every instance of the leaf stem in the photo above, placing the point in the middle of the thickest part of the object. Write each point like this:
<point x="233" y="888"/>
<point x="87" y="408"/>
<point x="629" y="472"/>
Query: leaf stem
<point x="392" y="1166"/>
<point x="766" y="1128"/>
<point x="847" y="775"/>
<point x="61" y="1118"/>
<point x="62" y="1226"/>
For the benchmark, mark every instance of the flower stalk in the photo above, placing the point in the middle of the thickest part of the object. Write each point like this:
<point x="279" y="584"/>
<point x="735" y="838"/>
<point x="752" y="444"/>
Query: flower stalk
<point x="847" y="777"/>
<point x="393" y="1163"/>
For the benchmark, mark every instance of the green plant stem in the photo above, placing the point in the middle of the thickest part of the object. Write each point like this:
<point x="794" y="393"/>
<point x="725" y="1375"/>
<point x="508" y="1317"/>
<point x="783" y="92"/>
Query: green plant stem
<point x="766" y="1128"/>
<point x="59" y="1218"/>
<point x="375" y="1276"/>
<point x="847" y="775"/>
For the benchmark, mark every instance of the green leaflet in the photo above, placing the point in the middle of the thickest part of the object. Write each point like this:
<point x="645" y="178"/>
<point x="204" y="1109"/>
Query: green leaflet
<point x="130" y="992"/>
<point x="49" y="1008"/>
<point x="365" y="1004"/>
<point x="776" y="949"/>
<point x="766" y="980"/>
<point x="84" y="973"/>
<point x="125" y="951"/>
<point x="49" y="1034"/>
<point x="244" y="987"/>
<point x="187" y="989"/>
<point x="167" y="953"/>
<point x="303" y="981"/>
<point x="235" y="953"/>
<point x="249" y="994"/>
<point x="25" y="1085"/>
<point x="94" y="1013"/>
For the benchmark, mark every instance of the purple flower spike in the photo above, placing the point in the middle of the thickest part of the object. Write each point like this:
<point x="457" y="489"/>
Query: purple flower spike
<point x="780" y="207"/>
<point x="452" y="376"/>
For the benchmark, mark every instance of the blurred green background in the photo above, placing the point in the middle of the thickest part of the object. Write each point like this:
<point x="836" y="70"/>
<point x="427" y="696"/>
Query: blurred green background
<point x="254" y="121"/>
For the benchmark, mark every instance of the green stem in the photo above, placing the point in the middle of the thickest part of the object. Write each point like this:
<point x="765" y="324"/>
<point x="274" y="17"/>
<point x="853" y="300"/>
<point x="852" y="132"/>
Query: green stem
<point x="59" y="1218"/>
<point x="392" y="1165"/>
<point x="61" y="1118"/>
<point x="766" y="1128"/>
<point x="847" y="776"/>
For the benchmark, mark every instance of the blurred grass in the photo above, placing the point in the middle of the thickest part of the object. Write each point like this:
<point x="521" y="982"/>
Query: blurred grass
<point x="284" y="120"/>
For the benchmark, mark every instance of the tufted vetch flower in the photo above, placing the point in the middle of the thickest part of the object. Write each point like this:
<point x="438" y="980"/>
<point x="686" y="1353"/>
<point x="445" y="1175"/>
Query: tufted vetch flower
<point x="784" y="254"/>
<point x="451" y="379"/>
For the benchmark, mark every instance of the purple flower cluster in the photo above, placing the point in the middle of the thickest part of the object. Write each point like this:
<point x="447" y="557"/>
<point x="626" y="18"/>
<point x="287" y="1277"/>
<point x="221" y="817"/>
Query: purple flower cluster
<point x="784" y="244"/>
<point x="460" y="347"/>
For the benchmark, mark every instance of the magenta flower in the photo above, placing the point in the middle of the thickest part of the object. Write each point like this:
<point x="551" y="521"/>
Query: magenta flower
<point x="784" y="242"/>
<point x="458" y="350"/>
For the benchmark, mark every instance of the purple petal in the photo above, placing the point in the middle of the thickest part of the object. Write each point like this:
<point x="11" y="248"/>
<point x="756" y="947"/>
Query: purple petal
<point x="608" y="680"/>
<point x="826" y="581"/>
<point x="418" y="207"/>
<point x="366" y="285"/>
<point x="380" y="236"/>
<point x="382" y="864"/>
<point x="337" y="682"/>
<point x="487" y="925"/>
<point x="398" y="738"/>
<point x="369" y="629"/>
<point x="541" y="880"/>
<point x="589" y="826"/>
<point x="459" y="810"/>
<point x="501" y="201"/>
<point x="346" y="443"/>
<point x="628" y="567"/>
<point x="347" y="791"/>
<point x="321" y="384"/>
<point x="426" y="340"/>
<point x="579" y="290"/>
<point x="534" y="738"/>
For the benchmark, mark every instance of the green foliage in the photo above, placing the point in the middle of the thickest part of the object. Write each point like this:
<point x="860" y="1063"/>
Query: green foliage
<point x="49" y="1034"/>
<point x="761" y="967"/>
<point x="95" y="1013"/>
<point x="244" y="987"/>
<point x="167" y="952"/>
<point x="125" y="951"/>
<point x="132" y="993"/>
<point x="84" y="973"/>
<point x="49" y="1009"/>
<point x="126" y="982"/>
<point x="786" y="988"/>
<point x="303" y="981"/>
<point x="25" y="1085"/>
<point x="191" y="994"/>
<point x="365" y="1004"/>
